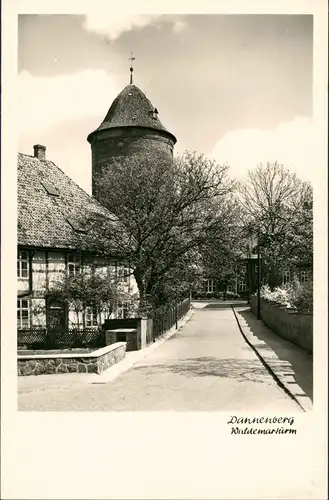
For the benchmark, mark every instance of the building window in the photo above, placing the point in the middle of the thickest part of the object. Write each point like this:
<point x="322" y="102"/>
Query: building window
<point x="126" y="274"/>
<point x="23" y="313"/>
<point x="123" y="310"/>
<point x="209" y="286"/>
<point x="91" y="316"/>
<point x="123" y="274"/>
<point x="303" y="277"/>
<point x="73" y="265"/>
<point x="232" y="287"/>
<point x="285" y="277"/>
<point x="242" y="286"/>
<point x="23" y="265"/>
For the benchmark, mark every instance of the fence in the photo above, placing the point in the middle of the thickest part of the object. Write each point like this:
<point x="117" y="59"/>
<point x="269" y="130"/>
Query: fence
<point x="43" y="338"/>
<point x="157" y="324"/>
<point x="164" y="320"/>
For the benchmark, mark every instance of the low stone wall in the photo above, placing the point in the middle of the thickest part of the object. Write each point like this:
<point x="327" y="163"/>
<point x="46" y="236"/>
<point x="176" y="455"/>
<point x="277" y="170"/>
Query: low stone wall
<point x="295" y="327"/>
<point x="93" y="362"/>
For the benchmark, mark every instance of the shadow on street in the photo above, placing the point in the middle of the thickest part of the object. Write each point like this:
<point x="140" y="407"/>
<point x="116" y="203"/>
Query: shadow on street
<point x="301" y="362"/>
<point x="237" y="369"/>
<point x="223" y="305"/>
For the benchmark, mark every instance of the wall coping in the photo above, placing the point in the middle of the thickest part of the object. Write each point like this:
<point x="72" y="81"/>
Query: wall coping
<point x="124" y="330"/>
<point x="94" y="354"/>
<point x="283" y="308"/>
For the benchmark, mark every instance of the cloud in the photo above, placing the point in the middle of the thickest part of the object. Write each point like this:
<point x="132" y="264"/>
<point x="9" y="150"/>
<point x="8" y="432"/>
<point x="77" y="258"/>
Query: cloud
<point x="179" y="26"/>
<point x="45" y="101"/>
<point x="113" y="27"/>
<point x="292" y="143"/>
<point x="59" y="112"/>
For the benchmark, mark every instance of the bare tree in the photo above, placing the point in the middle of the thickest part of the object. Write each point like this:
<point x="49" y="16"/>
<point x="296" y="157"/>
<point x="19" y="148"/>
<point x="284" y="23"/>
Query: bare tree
<point x="278" y="207"/>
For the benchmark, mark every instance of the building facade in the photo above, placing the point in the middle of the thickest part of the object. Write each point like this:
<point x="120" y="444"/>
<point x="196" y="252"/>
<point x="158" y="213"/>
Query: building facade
<point x="53" y="242"/>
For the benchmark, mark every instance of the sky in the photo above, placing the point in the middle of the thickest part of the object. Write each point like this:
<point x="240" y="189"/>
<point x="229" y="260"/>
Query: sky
<point x="236" y="87"/>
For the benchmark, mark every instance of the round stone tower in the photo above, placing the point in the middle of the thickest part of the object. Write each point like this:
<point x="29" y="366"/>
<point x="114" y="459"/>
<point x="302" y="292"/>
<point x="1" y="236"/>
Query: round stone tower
<point x="131" y="128"/>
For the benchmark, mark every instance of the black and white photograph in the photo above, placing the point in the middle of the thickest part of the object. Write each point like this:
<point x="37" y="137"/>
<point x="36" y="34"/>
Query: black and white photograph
<point x="168" y="173"/>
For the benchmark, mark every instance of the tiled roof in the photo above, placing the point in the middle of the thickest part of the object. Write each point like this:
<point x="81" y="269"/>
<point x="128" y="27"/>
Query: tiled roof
<point x="131" y="108"/>
<point x="51" y="205"/>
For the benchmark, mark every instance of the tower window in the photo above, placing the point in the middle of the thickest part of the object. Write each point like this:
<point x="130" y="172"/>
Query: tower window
<point x="154" y="113"/>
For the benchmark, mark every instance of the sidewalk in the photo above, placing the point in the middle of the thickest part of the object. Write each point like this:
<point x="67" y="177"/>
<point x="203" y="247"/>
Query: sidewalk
<point x="291" y="364"/>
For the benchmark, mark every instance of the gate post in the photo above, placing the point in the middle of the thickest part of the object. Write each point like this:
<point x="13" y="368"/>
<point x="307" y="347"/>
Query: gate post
<point x="176" y="310"/>
<point x="141" y="332"/>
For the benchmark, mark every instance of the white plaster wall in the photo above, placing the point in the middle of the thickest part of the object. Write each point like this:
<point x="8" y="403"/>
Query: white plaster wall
<point x="39" y="271"/>
<point x="56" y="267"/>
<point x="38" y="312"/>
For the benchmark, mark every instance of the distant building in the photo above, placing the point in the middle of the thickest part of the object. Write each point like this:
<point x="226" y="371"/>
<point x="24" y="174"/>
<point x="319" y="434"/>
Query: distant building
<point x="237" y="286"/>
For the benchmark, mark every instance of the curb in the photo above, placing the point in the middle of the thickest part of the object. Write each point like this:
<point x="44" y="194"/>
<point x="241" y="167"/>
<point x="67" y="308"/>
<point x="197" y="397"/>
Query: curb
<point x="274" y="365"/>
<point x="133" y="357"/>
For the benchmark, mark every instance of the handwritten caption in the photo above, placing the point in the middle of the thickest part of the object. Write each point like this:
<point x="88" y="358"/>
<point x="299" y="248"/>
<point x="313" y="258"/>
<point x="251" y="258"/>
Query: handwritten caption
<point x="255" y="425"/>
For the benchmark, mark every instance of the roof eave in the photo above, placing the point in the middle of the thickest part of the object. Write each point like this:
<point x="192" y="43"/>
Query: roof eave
<point x="68" y="248"/>
<point x="160" y="131"/>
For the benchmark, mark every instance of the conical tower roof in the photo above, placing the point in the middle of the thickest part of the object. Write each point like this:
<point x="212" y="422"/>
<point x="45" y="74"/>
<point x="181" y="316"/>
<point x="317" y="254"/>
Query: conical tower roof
<point x="131" y="108"/>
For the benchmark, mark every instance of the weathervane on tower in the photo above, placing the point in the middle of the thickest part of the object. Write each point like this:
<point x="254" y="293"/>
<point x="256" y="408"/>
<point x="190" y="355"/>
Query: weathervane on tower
<point x="131" y="59"/>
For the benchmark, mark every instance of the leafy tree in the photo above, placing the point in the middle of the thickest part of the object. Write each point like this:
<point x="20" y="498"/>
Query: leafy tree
<point x="179" y="281"/>
<point x="89" y="288"/>
<point x="223" y="261"/>
<point x="170" y="210"/>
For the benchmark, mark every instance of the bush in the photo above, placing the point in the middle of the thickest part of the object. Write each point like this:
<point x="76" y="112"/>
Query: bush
<point x="280" y="295"/>
<point x="232" y="295"/>
<point x="295" y="296"/>
<point x="302" y="298"/>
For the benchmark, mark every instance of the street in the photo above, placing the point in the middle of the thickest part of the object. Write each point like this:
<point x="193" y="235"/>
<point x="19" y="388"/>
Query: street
<point x="203" y="367"/>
